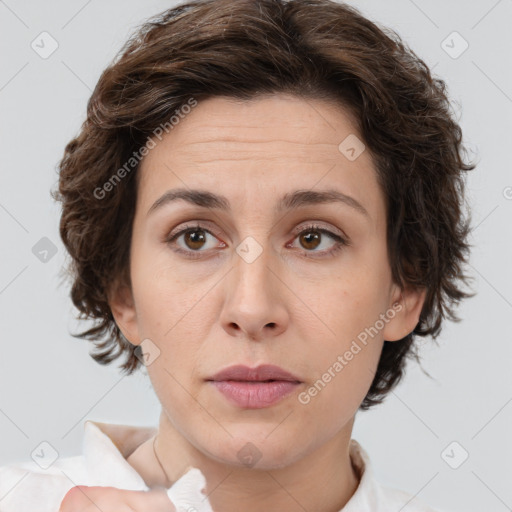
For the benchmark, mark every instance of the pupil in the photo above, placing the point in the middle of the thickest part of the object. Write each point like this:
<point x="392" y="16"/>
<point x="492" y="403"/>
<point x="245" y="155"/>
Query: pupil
<point x="311" y="239"/>
<point x="195" y="240"/>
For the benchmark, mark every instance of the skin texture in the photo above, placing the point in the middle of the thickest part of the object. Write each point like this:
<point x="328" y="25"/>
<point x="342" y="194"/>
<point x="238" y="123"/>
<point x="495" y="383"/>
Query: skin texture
<point x="284" y="308"/>
<point x="109" y="499"/>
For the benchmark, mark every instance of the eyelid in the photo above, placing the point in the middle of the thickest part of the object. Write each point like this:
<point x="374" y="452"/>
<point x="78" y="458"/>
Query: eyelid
<point x="320" y="227"/>
<point x="196" y="224"/>
<point x="341" y="241"/>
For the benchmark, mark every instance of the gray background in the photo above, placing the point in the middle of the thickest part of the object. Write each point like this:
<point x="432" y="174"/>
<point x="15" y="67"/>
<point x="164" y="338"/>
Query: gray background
<point x="48" y="383"/>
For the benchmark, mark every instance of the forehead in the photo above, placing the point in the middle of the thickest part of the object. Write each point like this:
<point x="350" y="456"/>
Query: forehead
<point x="259" y="149"/>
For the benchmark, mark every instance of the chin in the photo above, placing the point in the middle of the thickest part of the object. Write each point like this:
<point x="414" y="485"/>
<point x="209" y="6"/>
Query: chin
<point x="253" y="448"/>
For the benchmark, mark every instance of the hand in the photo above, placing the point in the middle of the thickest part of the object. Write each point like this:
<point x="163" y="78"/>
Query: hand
<point x="109" y="499"/>
<point x="187" y="493"/>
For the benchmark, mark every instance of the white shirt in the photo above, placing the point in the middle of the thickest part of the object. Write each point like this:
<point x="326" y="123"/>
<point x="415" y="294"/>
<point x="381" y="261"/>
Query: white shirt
<point x="27" y="487"/>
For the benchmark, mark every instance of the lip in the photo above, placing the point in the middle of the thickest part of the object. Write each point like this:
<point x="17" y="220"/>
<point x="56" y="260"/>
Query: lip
<point x="260" y="373"/>
<point x="254" y="388"/>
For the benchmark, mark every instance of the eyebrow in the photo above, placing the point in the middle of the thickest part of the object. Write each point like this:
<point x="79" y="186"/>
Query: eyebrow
<point x="290" y="201"/>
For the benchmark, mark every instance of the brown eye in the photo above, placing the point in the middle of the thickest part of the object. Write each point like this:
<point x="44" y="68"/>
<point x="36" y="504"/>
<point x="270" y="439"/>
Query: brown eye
<point x="310" y="238"/>
<point x="194" y="241"/>
<point x="310" y="241"/>
<point x="194" y="238"/>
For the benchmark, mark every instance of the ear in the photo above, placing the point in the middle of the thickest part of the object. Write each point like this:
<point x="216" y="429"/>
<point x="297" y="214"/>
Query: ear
<point x="408" y="305"/>
<point x="122" y="305"/>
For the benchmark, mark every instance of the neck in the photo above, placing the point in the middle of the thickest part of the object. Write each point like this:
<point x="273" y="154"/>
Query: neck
<point x="323" y="481"/>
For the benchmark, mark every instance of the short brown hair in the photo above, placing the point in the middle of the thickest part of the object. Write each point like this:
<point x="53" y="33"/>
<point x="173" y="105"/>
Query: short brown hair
<point x="240" y="49"/>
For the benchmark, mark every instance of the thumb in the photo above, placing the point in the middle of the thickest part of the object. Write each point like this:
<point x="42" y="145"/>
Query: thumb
<point x="108" y="499"/>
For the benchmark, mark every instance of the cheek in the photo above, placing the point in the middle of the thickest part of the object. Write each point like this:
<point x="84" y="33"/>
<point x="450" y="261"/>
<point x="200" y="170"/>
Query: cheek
<point x="345" y="305"/>
<point x="344" y="367"/>
<point x="165" y="298"/>
<point x="342" y="381"/>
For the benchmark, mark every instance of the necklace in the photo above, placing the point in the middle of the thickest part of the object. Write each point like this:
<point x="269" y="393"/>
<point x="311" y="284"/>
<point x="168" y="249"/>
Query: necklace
<point x="158" y="459"/>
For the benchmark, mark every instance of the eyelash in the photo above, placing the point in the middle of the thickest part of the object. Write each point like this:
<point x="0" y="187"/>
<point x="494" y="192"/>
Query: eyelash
<point x="340" y="241"/>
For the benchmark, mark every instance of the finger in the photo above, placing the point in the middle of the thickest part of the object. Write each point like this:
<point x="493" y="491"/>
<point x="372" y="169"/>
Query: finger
<point x="109" y="499"/>
<point x="75" y="499"/>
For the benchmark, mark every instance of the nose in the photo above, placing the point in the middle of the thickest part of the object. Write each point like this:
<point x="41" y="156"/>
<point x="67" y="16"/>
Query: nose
<point x="254" y="306"/>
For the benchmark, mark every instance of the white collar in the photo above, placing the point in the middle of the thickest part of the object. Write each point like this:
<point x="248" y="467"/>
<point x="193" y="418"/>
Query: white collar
<point x="106" y="447"/>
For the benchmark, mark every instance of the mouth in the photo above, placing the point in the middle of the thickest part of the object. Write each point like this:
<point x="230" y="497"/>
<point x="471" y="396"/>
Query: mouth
<point x="262" y="373"/>
<point x="254" y="388"/>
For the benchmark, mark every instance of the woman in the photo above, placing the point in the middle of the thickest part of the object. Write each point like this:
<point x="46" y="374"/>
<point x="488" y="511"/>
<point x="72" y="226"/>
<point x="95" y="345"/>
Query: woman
<point x="264" y="208"/>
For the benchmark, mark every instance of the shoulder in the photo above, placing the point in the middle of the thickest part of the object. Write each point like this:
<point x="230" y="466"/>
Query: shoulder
<point x="395" y="499"/>
<point x="372" y="496"/>
<point x="27" y="487"/>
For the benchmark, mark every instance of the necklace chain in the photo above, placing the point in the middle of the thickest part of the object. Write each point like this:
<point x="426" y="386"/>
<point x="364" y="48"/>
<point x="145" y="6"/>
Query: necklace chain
<point x="159" y="462"/>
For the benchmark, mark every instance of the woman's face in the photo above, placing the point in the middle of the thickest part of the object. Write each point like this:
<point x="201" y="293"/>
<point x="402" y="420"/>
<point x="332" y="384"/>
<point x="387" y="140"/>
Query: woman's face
<point x="268" y="277"/>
